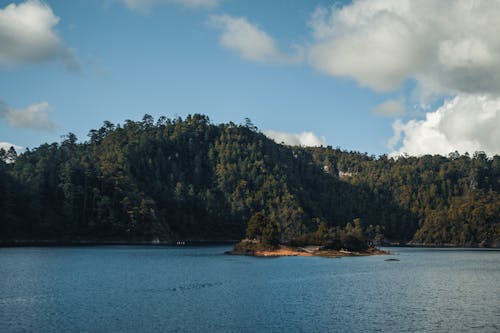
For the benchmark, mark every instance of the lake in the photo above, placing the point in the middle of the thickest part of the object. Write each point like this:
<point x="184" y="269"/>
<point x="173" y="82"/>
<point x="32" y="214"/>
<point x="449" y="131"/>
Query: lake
<point x="200" y="289"/>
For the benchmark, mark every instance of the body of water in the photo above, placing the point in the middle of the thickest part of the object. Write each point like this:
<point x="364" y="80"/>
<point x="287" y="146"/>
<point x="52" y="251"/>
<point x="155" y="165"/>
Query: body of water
<point x="200" y="289"/>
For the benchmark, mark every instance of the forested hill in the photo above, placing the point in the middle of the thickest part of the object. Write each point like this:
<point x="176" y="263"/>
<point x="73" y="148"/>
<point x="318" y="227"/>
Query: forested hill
<point x="189" y="179"/>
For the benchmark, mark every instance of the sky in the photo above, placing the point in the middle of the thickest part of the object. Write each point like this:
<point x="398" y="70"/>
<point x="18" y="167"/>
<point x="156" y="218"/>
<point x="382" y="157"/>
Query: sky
<point x="376" y="76"/>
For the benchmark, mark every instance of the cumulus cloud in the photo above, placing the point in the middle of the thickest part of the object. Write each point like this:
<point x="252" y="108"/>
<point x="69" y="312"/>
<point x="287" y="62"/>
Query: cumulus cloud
<point x="249" y="40"/>
<point x="447" y="47"/>
<point x="308" y="139"/>
<point x="467" y="123"/>
<point x="6" y="146"/>
<point x="390" y="108"/>
<point x="27" y="35"/>
<point x="145" y="5"/>
<point x="35" y="116"/>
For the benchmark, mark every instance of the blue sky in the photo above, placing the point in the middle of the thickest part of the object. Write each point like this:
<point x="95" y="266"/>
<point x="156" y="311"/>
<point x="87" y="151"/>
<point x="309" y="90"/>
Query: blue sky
<point x="326" y="67"/>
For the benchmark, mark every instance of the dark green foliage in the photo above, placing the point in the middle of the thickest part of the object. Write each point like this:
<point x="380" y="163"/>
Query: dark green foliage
<point x="428" y="199"/>
<point x="261" y="228"/>
<point x="190" y="179"/>
<point x="270" y="234"/>
<point x="352" y="237"/>
<point x="256" y="225"/>
<point x="322" y="233"/>
<point x="353" y="243"/>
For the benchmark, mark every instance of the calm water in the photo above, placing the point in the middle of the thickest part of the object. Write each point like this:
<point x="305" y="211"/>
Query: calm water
<point x="199" y="289"/>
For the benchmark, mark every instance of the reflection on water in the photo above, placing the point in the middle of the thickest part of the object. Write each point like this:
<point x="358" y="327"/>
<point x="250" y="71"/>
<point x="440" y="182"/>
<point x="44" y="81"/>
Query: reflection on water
<point x="199" y="289"/>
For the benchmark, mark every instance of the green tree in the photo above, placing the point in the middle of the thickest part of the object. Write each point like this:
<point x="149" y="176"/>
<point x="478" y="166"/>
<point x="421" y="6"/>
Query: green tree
<point x="256" y="226"/>
<point x="271" y="234"/>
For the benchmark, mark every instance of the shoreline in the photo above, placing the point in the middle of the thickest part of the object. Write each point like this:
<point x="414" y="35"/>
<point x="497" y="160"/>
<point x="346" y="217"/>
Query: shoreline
<point x="307" y="251"/>
<point x="194" y="242"/>
<point x="69" y="243"/>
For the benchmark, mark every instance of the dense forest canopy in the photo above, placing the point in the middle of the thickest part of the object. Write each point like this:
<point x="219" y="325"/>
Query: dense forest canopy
<point x="190" y="179"/>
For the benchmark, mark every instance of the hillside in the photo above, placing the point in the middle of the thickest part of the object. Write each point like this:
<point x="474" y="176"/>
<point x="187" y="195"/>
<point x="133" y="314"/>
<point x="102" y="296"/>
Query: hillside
<point x="190" y="179"/>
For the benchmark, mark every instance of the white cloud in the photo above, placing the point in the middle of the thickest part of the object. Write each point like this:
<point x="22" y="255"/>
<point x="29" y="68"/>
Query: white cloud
<point x="249" y="40"/>
<point x="146" y="5"/>
<point x="390" y="108"/>
<point x="308" y="139"/>
<point x="467" y="123"/>
<point x="35" y="116"/>
<point x="6" y="146"/>
<point x="27" y="35"/>
<point x="447" y="47"/>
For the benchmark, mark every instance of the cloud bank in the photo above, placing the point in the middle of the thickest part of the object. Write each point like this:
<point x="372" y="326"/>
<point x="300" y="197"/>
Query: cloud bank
<point x="249" y="40"/>
<point x="35" y="116"/>
<point x="446" y="46"/>
<point x="464" y="124"/>
<point x="27" y="35"/>
<point x="308" y="139"/>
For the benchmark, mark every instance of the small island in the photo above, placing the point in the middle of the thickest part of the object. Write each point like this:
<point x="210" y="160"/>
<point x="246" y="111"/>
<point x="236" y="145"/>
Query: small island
<point x="257" y="249"/>
<point x="263" y="240"/>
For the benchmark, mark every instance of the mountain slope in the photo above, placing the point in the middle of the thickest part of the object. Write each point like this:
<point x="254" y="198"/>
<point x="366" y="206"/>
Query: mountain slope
<point x="190" y="179"/>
